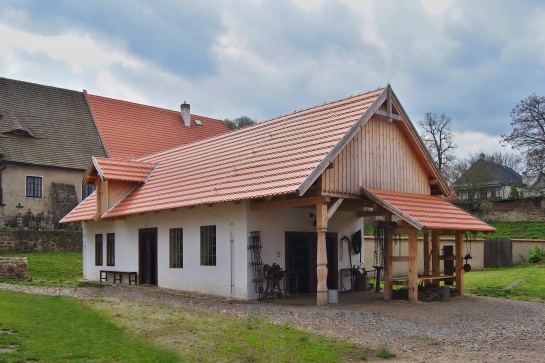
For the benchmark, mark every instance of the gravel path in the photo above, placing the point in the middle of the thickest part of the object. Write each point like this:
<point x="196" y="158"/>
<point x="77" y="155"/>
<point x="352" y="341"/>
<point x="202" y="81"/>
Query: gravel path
<point x="468" y="328"/>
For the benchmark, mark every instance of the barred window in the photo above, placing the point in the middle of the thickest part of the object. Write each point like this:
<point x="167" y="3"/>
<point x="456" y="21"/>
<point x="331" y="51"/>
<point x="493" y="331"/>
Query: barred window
<point x="208" y="245"/>
<point x="86" y="190"/>
<point x="176" y="241"/>
<point x="110" y="249"/>
<point x="98" y="249"/>
<point x="34" y="186"/>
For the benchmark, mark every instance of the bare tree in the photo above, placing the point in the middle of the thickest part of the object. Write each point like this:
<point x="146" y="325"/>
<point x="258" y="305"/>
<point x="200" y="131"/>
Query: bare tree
<point x="437" y="137"/>
<point x="528" y="134"/>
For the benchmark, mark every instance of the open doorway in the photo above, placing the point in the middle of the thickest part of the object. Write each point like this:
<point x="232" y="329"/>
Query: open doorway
<point x="301" y="255"/>
<point x="147" y="255"/>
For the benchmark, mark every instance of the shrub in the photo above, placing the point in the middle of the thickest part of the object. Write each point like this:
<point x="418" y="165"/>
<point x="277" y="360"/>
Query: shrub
<point x="535" y="254"/>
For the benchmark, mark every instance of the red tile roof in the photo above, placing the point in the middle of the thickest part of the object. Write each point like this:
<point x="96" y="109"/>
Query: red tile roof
<point x="271" y="158"/>
<point x="130" y="130"/>
<point x="427" y="211"/>
<point x="133" y="171"/>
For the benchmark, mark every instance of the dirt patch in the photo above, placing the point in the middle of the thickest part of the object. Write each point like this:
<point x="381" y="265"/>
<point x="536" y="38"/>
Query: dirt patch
<point x="468" y="328"/>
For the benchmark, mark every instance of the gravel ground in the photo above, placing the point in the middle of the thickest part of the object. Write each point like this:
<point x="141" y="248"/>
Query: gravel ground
<point x="468" y="328"/>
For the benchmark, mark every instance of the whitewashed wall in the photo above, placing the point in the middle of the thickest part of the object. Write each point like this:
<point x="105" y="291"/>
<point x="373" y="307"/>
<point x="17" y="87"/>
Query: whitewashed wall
<point x="227" y="217"/>
<point x="273" y="225"/>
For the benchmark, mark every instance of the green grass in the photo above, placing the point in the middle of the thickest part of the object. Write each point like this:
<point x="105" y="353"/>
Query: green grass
<point x="494" y="282"/>
<point x="60" y="329"/>
<point x="517" y="230"/>
<point x="217" y="337"/>
<point x="51" y="268"/>
<point x="514" y="230"/>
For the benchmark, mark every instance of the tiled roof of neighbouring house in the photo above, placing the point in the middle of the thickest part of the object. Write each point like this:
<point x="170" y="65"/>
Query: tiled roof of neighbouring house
<point x="131" y="130"/>
<point x="43" y="125"/>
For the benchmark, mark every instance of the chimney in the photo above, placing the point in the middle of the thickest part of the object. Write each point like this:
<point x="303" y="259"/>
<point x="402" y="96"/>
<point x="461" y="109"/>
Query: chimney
<point x="184" y="112"/>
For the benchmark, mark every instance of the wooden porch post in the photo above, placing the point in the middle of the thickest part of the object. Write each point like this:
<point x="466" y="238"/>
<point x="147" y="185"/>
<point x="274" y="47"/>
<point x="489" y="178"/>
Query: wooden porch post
<point x="426" y="254"/>
<point x="413" y="265"/>
<point x="435" y="253"/>
<point x="459" y="248"/>
<point x="389" y="265"/>
<point x="321" y="269"/>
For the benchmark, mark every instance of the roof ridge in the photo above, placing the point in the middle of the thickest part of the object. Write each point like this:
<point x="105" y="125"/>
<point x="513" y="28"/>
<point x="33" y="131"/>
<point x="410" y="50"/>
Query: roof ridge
<point x="259" y="124"/>
<point x="41" y="85"/>
<point x="148" y="106"/>
<point x="323" y="104"/>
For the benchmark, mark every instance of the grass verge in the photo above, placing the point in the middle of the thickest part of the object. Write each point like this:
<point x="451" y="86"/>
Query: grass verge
<point x="521" y="282"/>
<point x="219" y="337"/>
<point x="60" y="329"/>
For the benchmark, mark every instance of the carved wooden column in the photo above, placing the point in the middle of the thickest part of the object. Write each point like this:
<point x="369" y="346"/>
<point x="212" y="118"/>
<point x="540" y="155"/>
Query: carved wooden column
<point x="459" y="249"/>
<point x="413" y="265"/>
<point x="321" y="269"/>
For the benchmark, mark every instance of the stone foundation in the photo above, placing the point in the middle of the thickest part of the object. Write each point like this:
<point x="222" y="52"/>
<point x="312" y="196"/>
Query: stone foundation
<point x="13" y="268"/>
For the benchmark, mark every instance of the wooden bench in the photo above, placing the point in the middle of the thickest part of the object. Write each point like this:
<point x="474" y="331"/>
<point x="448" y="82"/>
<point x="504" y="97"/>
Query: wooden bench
<point x="118" y="276"/>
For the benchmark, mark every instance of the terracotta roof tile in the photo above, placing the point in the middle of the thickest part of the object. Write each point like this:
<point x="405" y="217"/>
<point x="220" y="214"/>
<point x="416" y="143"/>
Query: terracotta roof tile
<point x="427" y="211"/>
<point x="123" y="170"/>
<point x="271" y="158"/>
<point x="130" y="130"/>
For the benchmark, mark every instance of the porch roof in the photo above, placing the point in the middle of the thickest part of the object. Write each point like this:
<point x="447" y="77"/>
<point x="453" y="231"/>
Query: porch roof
<point x="427" y="212"/>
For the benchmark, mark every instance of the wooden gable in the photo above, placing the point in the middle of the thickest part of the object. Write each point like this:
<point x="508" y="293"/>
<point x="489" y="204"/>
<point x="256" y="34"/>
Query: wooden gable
<point x="385" y="153"/>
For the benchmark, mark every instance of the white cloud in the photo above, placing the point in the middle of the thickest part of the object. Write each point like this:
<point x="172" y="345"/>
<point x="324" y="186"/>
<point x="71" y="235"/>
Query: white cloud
<point x="75" y="50"/>
<point x="475" y="142"/>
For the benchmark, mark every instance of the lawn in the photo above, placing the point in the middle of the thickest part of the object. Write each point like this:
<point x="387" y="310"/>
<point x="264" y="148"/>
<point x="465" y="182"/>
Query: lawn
<point x="522" y="282"/>
<point x="48" y="328"/>
<point x="62" y="269"/>
<point x="59" y="329"/>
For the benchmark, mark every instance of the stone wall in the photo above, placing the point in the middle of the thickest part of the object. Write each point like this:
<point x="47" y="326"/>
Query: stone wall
<point x="516" y="215"/>
<point x="13" y="268"/>
<point x="20" y="241"/>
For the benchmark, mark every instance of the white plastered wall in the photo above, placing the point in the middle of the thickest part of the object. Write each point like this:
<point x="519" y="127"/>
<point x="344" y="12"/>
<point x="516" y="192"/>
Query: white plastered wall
<point x="230" y="269"/>
<point x="274" y="224"/>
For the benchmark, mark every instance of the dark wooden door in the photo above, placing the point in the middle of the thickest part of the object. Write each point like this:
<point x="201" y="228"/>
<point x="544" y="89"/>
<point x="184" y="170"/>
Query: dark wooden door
<point x="147" y="248"/>
<point x="498" y="252"/>
<point x="301" y="256"/>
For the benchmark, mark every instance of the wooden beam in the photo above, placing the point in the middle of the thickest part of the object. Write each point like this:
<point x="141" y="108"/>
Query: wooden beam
<point x="427" y="258"/>
<point x="395" y="116"/>
<point x="435" y="254"/>
<point x="459" y="250"/>
<point x="321" y="260"/>
<point x="334" y="207"/>
<point x="297" y="202"/>
<point x="413" y="265"/>
<point x="399" y="258"/>
<point x="389" y="268"/>
<point x="433" y="181"/>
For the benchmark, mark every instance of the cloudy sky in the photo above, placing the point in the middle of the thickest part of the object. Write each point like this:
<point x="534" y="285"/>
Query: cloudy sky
<point x="472" y="60"/>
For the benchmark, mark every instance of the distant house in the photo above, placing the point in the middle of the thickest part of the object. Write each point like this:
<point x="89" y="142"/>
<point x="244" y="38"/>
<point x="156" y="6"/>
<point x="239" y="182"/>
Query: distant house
<point x="209" y="215"/>
<point x="48" y="135"/>
<point x="487" y="180"/>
